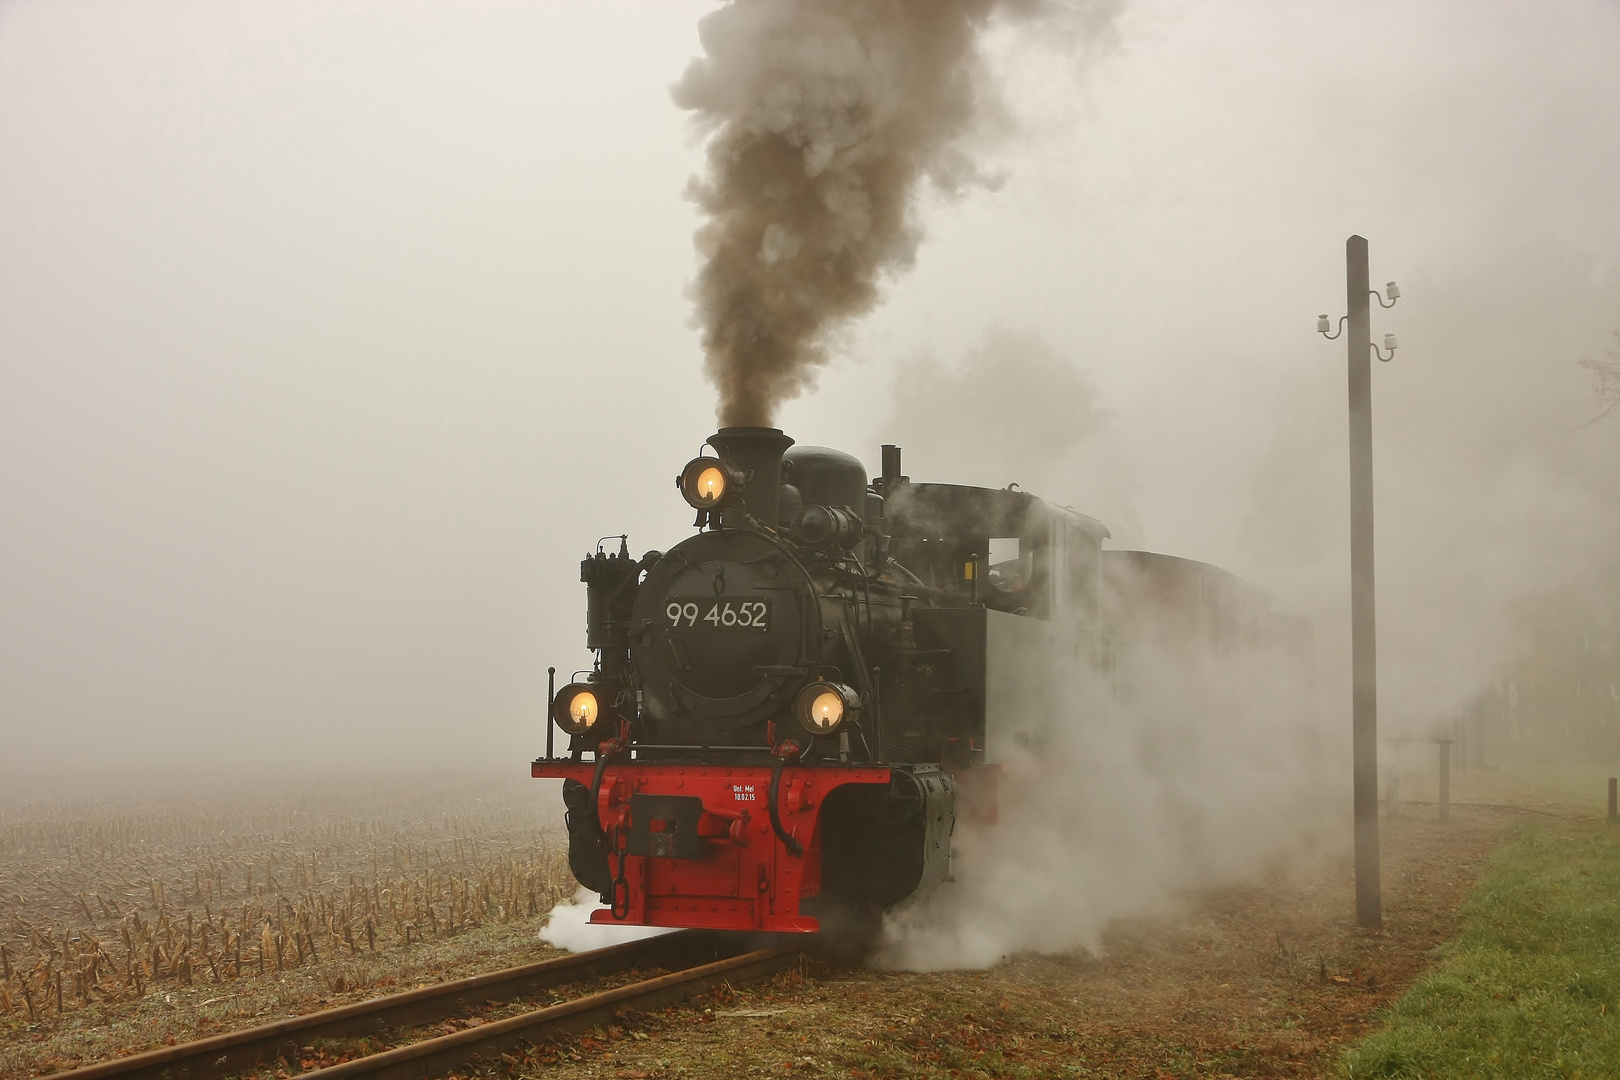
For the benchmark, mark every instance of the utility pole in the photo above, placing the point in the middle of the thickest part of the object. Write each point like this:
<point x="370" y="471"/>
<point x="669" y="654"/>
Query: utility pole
<point x="1363" y="598"/>
<point x="1356" y="326"/>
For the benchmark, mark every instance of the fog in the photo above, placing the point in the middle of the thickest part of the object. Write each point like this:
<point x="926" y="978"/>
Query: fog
<point x="332" y="336"/>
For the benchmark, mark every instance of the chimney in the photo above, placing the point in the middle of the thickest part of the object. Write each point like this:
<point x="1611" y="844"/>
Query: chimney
<point x="756" y="452"/>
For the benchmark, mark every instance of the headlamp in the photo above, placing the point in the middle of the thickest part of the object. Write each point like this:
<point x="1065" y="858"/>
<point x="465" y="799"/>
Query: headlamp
<point x="576" y="708"/>
<point x="822" y="706"/>
<point x="707" y="482"/>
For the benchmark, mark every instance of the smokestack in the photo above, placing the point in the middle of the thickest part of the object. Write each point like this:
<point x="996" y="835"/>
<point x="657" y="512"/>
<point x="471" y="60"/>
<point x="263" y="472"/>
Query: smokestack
<point x="756" y="452"/>
<point x="891" y="470"/>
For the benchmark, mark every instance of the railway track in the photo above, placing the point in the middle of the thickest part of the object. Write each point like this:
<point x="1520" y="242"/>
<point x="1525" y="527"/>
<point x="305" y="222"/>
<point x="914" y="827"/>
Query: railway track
<point x="702" y="961"/>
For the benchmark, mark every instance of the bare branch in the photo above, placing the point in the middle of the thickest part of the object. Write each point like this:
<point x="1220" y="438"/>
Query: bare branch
<point x="1605" y="380"/>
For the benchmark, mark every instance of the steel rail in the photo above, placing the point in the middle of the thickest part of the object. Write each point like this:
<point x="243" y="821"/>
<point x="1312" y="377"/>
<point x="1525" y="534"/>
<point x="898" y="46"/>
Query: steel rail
<point x="432" y="1057"/>
<point x="239" y="1051"/>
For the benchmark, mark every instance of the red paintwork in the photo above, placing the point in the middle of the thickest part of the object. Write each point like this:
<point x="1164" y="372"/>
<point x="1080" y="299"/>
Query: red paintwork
<point x="746" y="880"/>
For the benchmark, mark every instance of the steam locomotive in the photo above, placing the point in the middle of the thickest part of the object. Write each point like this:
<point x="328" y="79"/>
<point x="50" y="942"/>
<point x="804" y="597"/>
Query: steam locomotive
<point x="790" y="710"/>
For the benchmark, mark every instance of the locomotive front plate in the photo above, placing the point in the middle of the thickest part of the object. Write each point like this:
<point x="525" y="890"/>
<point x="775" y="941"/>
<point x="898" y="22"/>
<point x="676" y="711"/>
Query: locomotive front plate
<point x="725" y="621"/>
<point x="723" y="613"/>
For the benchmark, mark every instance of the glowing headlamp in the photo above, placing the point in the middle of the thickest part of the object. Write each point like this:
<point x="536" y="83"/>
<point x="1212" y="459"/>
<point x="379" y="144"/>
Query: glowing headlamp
<point x="576" y="708"/>
<point x="822" y="706"/>
<point x="707" y="482"/>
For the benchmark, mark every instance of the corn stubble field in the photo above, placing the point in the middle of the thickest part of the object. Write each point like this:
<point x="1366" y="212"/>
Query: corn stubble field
<point x="132" y="921"/>
<point x="126" y="919"/>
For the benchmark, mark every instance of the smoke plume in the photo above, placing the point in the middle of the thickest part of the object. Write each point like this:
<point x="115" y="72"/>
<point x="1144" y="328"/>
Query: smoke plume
<point x="825" y="117"/>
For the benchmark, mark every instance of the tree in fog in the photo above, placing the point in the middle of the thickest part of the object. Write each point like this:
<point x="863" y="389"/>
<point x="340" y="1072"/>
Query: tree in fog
<point x="1605" y="379"/>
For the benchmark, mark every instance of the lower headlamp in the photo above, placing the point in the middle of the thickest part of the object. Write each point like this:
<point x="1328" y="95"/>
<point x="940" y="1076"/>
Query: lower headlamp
<point x="576" y="708"/>
<point x="822" y="706"/>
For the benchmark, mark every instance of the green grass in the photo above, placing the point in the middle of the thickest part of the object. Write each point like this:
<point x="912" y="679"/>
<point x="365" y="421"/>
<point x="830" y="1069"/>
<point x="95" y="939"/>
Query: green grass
<point x="1531" y="985"/>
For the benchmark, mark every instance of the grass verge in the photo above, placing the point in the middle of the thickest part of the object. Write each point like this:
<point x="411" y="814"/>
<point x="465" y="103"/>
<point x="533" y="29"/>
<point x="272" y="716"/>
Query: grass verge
<point x="1530" y="986"/>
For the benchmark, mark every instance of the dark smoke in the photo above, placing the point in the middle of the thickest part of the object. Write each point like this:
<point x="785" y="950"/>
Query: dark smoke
<point x="825" y="115"/>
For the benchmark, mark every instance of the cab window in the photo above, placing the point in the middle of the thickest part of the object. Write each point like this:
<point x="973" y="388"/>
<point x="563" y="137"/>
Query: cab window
<point x="1007" y="565"/>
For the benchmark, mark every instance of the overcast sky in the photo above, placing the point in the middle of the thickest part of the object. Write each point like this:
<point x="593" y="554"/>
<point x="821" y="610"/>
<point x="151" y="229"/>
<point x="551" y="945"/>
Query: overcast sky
<point x="333" y="334"/>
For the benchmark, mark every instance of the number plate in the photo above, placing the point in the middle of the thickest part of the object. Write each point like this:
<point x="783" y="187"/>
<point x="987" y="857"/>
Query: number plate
<point x="717" y="613"/>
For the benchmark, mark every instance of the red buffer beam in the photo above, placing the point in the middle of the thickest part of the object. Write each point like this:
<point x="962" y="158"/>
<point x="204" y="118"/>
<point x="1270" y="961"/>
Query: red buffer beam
<point x="694" y="845"/>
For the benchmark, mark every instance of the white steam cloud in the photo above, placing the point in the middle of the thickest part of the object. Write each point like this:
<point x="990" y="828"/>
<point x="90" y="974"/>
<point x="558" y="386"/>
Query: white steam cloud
<point x="569" y="926"/>
<point x="1196" y="774"/>
<point x="1498" y="519"/>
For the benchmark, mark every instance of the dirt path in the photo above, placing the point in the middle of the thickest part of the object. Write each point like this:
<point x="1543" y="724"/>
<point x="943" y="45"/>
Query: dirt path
<point x="1254" y="982"/>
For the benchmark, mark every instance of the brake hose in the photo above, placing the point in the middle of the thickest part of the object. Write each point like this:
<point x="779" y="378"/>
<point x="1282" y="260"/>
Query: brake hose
<point x="792" y="845"/>
<point x="596" y="794"/>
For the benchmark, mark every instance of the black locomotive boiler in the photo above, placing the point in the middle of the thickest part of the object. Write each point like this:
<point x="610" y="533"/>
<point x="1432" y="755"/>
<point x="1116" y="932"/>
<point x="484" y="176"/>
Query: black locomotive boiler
<point x="789" y="709"/>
